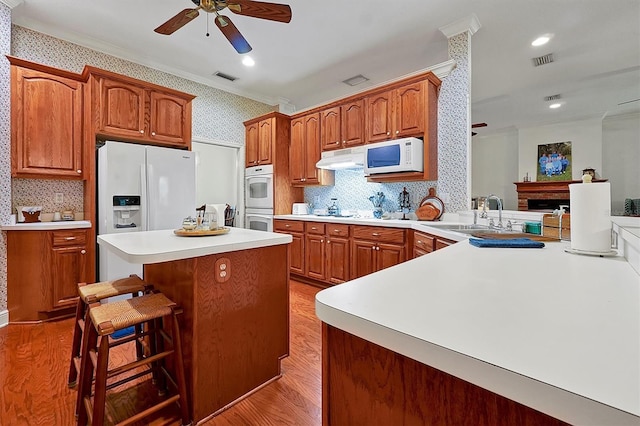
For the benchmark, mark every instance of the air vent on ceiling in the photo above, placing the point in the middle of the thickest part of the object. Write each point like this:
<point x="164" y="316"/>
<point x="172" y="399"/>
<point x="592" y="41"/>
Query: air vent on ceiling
<point x="552" y="98"/>
<point x="542" y="60"/>
<point x="225" y="76"/>
<point x="354" y="81"/>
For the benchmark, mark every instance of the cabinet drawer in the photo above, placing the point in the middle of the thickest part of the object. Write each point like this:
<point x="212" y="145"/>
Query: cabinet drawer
<point x="379" y="233"/>
<point x="69" y="238"/>
<point x="288" y="225"/>
<point x="337" y="230"/>
<point x="315" y="228"/>
<point x="424" y="242"/>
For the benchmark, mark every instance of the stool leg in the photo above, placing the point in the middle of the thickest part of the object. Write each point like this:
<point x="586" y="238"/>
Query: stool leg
<point x="100" y="392"/>
<point x="76" y="345"/>
<point x="179" y="364"/>
<point x="86" y="371"/>
<point x="161" y="380"/>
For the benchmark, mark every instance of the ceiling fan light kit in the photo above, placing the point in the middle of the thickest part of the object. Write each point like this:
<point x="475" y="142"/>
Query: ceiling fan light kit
<point x="255" y="9"/>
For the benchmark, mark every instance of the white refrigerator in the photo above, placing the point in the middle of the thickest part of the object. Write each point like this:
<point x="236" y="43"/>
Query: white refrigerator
<point x="141" y="188"/>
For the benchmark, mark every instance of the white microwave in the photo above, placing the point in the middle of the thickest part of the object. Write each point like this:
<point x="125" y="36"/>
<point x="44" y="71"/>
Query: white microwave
<point x="398" y="155"/>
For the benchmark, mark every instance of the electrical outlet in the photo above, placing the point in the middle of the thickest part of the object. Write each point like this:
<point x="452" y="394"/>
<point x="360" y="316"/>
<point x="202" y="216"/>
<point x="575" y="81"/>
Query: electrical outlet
<point x="59" y="198"/>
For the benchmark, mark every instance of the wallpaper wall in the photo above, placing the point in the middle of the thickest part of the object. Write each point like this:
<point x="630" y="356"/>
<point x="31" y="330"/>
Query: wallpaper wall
<point x="217" y="115"/>
<point x="5" y="150"/>
<point x="353" y="190"/>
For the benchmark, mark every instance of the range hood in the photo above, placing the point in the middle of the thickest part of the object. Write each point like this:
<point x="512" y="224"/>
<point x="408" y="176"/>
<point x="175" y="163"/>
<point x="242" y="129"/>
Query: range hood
<point x="340" y="159"/>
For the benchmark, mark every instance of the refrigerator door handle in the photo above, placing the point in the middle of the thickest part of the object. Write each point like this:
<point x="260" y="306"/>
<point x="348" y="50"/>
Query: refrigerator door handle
<point x="144" y="204"/>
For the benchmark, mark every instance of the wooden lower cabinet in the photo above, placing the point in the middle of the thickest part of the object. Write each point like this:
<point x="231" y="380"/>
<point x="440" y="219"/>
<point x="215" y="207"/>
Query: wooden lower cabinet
<point x="43" y="272"/>
<point x="295" y="228"/>
<point x="315" y="256"/>
<point x="424" y="243"/>
<point x="375" y="247"/>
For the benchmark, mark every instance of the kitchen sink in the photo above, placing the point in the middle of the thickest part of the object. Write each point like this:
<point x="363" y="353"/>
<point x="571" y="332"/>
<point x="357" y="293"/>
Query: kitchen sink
<point x="470" y="228"/>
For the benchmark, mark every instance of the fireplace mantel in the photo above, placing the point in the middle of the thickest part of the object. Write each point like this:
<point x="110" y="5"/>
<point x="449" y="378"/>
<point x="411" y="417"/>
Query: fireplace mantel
<point x="552" y="190"/>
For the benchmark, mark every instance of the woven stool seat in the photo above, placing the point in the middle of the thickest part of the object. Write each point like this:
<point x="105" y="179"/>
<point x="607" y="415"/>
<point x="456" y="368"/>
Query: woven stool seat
<point x="157" y="318"/>
<point x="115" y="316"/>
<point x="95" y="292"/>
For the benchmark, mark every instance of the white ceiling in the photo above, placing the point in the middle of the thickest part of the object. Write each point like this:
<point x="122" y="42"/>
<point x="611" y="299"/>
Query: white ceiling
<point x="595" y="43"/>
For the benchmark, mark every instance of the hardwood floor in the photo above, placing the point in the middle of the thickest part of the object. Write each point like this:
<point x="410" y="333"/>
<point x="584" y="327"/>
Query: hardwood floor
<point x="34" y="367"/>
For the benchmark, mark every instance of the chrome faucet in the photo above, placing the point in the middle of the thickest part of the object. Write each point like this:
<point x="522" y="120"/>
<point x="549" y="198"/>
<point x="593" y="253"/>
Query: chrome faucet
<point x="484" y="210"/>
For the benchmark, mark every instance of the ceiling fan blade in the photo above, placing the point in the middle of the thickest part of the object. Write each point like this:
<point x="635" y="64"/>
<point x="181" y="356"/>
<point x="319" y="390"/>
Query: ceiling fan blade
<point x="475" y="125"/>
<point x="232" y="34"/>
<point x="262" y="10"/>
<point x="178" y="21"/>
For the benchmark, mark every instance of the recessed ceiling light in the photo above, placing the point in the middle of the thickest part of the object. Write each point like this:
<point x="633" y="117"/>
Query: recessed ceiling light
<point x="544" y="39"/>
<point x="554" y="106"/>
<point x="248" y="61"/>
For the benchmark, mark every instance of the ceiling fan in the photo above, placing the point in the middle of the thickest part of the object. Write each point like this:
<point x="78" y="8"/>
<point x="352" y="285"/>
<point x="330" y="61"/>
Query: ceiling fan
<point x="476" y="125"/>
<point x="255" y="9"/>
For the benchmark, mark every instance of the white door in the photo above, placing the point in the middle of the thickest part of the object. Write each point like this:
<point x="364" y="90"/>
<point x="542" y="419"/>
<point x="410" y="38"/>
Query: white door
<point x="171" y="193"/>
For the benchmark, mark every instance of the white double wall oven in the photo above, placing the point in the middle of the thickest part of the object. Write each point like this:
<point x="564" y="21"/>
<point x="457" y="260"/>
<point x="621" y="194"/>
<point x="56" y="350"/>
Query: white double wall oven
<point x="259" y="202"/>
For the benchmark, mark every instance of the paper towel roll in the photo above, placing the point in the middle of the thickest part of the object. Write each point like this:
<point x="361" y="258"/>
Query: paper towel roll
<point x="590" y="217"/>
<point x="219" y="209"/>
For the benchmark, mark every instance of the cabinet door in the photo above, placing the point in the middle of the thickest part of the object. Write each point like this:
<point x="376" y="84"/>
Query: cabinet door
<point x="389" y="255"/>
<point x="315" y="249"/>
<point x="69" y="268"/>
<point x="121" y="109"/>
<point x="442" y="243"/>
<point x="330" y="124"/>
<point x="296" y="249"/>
<point x="265" y="139"/>
<point x="338" y="260"/>
<point x="168" y="120"/>
<point x="251" y="145"/>
<point x="363" y="258"/>
<point x="312" y="147"/>
<point x="352" y="123"/>
<point x="46" y="112"/>
<point x="297" y="158"/>
<point x="410" y="110"/>
<point x="379" y="117"/>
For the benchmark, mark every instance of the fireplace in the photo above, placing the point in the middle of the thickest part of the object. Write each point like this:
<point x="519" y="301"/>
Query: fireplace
<point x="544" y="196"/>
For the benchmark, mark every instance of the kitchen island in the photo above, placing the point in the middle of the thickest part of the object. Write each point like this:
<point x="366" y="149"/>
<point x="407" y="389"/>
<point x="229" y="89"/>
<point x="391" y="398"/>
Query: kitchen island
<point x="469" y="335"/>
<point x="234" y="291"/>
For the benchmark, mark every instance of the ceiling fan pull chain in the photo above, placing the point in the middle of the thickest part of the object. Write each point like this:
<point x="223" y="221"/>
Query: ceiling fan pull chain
<point x="207" y="26"/>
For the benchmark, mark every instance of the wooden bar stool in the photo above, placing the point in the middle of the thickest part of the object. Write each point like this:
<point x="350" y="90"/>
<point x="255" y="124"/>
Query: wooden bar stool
<point x="93" y="293"/>
<point x="154" y="310"/>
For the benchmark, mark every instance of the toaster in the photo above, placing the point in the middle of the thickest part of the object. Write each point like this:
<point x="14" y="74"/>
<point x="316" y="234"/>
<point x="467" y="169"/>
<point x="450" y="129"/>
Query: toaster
<point x="300" y="208"/>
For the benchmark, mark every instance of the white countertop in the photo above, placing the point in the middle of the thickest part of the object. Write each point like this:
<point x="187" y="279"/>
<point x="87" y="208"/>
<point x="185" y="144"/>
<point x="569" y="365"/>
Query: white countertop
<point x="46" y="226"/>
<point x="555" y="331"/>
<point x="163" y="246"/>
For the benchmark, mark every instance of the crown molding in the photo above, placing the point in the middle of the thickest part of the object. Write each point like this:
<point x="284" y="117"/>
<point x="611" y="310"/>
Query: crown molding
<point x="12" y="3"/>
<point x="109" y="49"/>
<point x="470" y="24"/>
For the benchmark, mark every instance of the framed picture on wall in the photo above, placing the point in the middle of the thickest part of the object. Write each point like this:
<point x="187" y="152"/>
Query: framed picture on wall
<point x="554" y="162"/>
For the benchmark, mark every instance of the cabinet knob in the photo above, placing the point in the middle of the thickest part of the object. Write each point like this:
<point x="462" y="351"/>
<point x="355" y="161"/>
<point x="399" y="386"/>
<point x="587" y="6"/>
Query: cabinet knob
<point x="141" y="131"/>
<point x="337" y="231"/>
<point x="153" y="133"/>
<point x="322" y="241"/>
<point x="287" y="226"/>
<point x="83" y="252"/>
<point x="388" y="133"/>
<point x="375" y="234"/>
<point x="69" y="238"/>
<point x="78" y="171"/>
<point x="397" y="131"/>
<point x="328" y="242"/>
<point x="313" y="228"/>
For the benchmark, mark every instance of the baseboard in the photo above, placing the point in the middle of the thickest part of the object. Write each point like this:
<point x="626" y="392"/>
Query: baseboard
<point x="4" y="318"/>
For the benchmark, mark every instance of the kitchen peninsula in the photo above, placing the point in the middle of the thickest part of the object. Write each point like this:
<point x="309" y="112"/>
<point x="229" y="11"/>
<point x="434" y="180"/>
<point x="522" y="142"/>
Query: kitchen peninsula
<point x="469" y="335"/>
<point x="234" y="290"/>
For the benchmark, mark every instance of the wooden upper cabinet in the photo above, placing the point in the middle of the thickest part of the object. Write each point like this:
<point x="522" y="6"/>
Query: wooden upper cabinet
<point x="409" y="110"/>
<point x="352" y="128"/>
<point x="265" y="141"/>
<point x="251" y="144"/>
<point x="304" y="152"/>
<point x="379" y="116"/>
<point x="170" y="115"/>
<point x="121" y="108"/>
<point x="46" y="121"/>
<point x="129" y="109"/>
<point x="331" y="125"/>
<point x="259" y="140"/>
